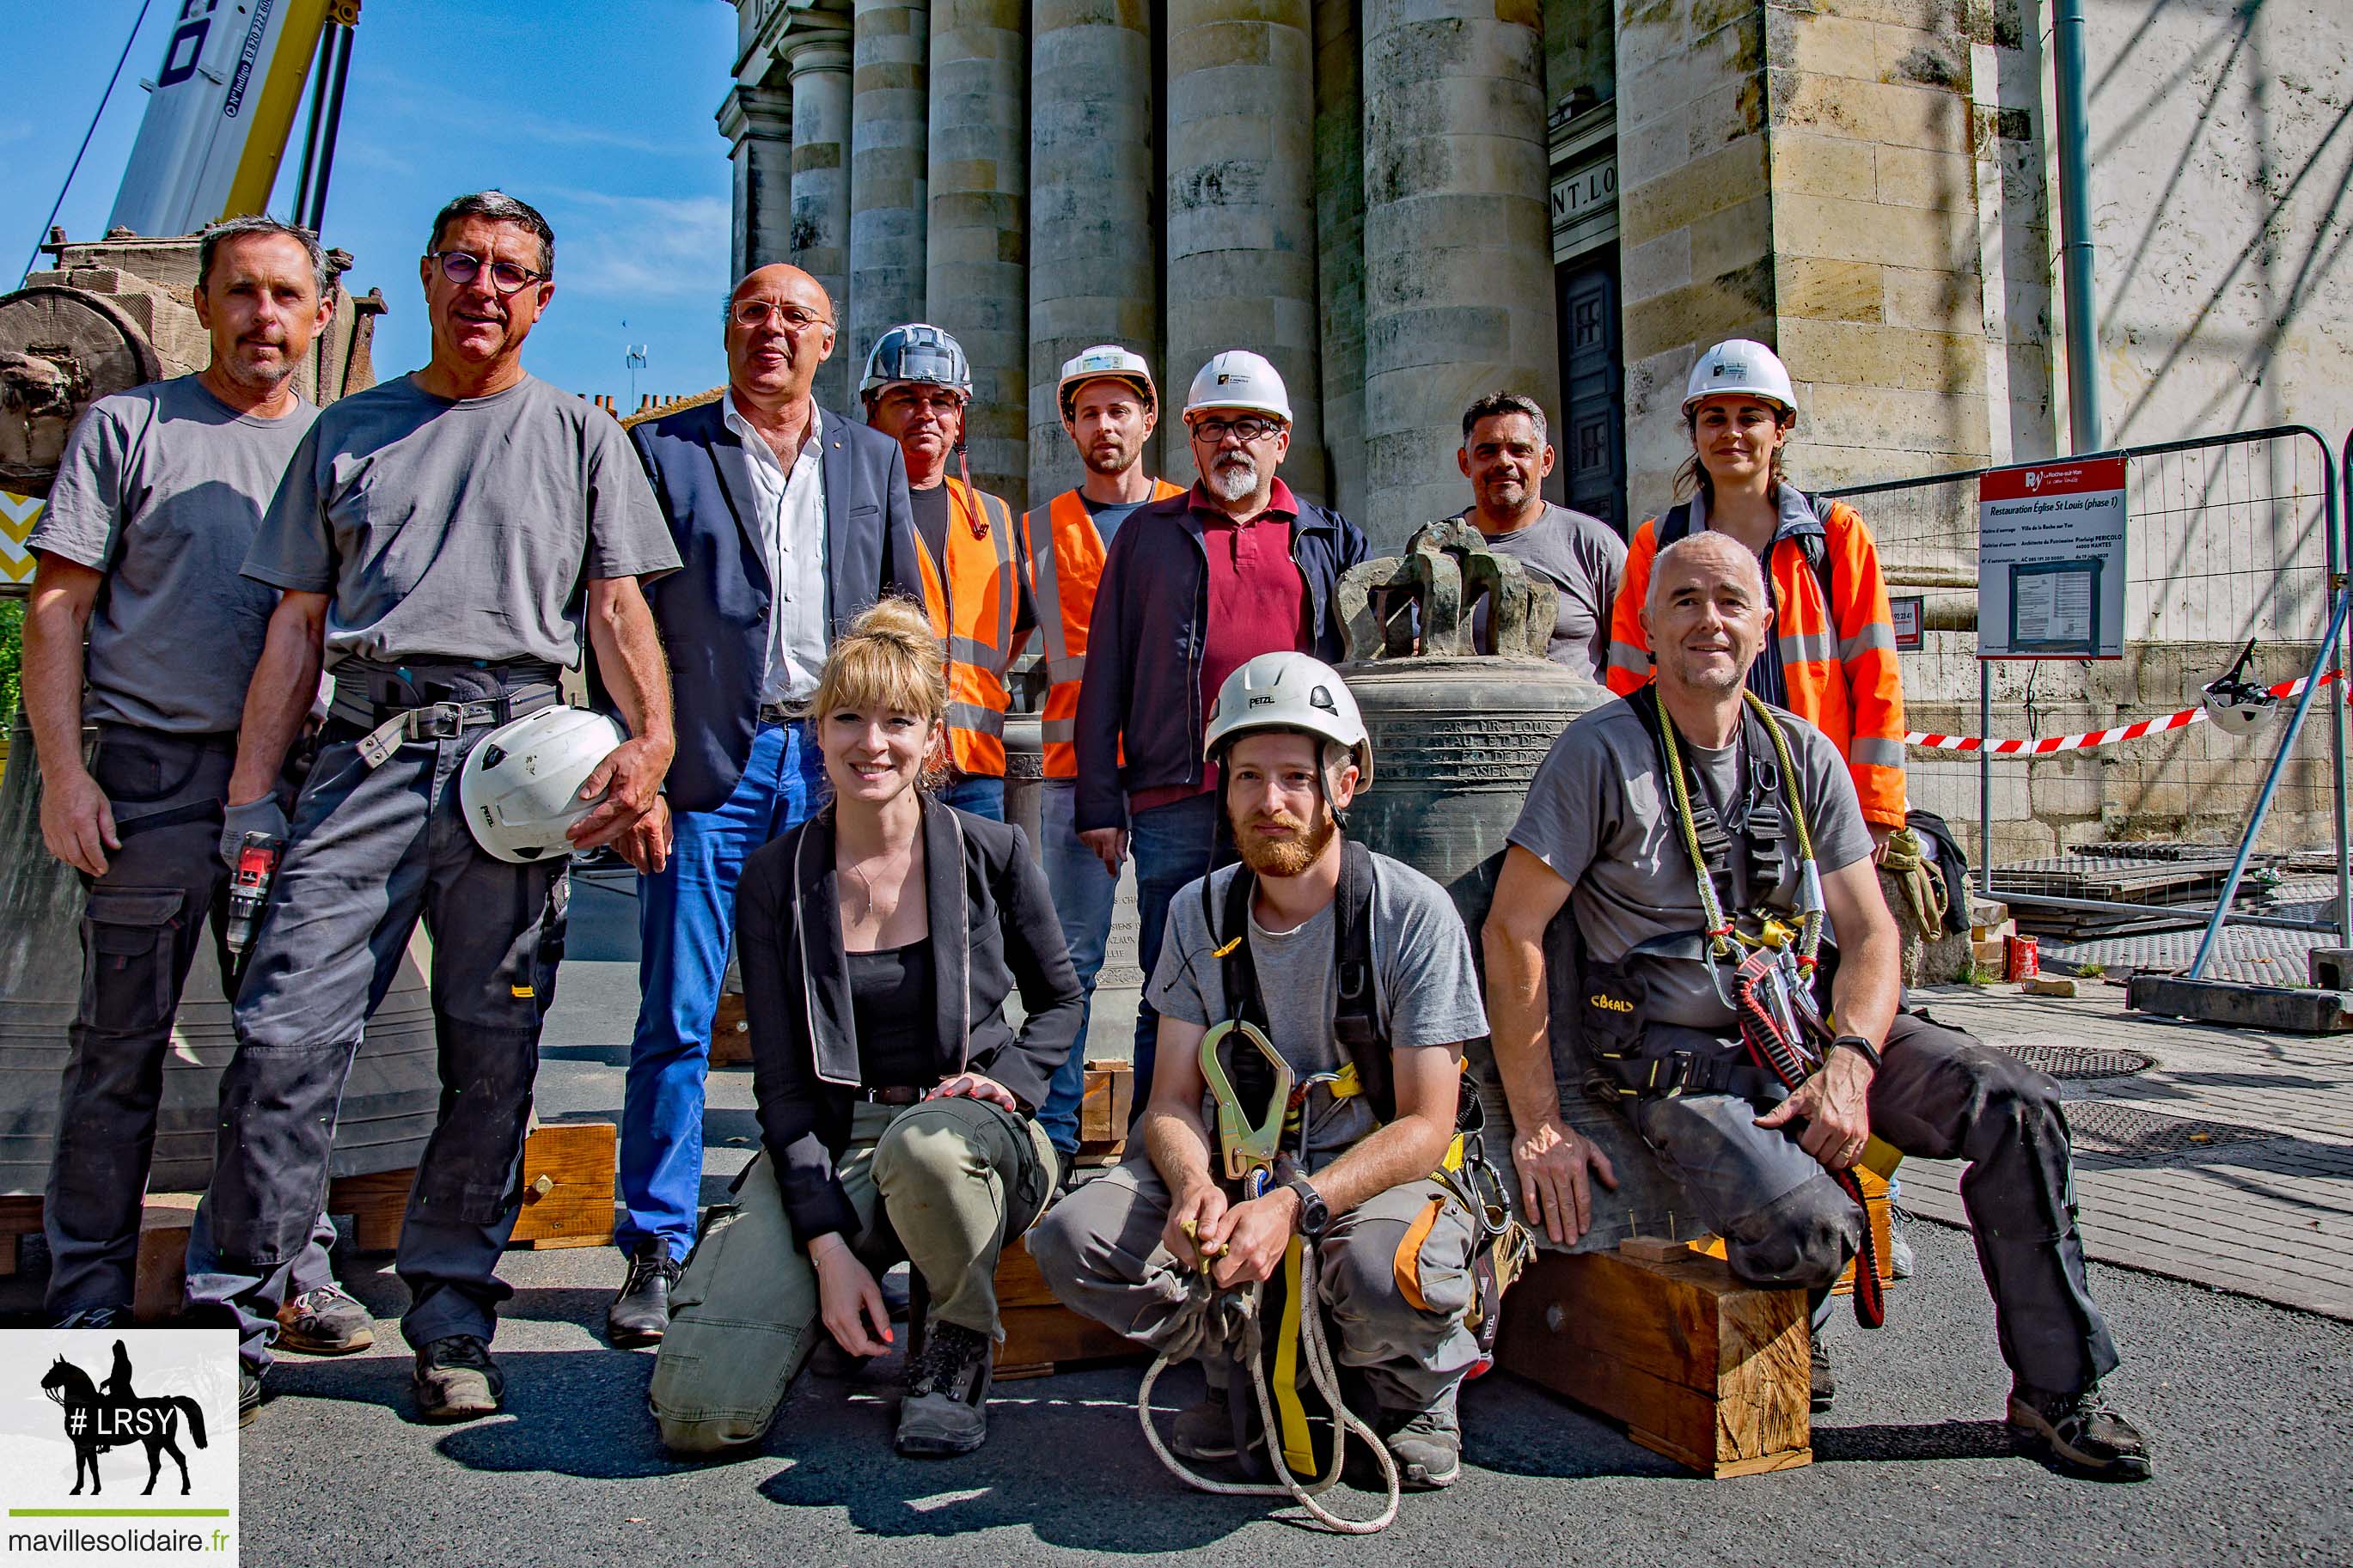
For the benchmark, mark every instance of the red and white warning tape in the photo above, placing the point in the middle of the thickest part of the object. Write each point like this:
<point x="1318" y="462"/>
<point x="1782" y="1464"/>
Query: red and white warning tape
<point x="2132" y="731"/>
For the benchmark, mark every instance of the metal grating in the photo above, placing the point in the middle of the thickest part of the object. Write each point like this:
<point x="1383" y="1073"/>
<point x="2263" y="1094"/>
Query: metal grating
<point x="2126" y="1132"/>
<point x="2073" y="1062"/>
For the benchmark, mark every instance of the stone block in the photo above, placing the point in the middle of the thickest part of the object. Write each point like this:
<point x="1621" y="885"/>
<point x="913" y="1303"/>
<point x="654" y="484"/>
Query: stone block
<point x="1703" y="311"/>
<point x="1653" y="148"/>
<point x="1808" y="164"/>
<point x="1654" y="266"/>
<point x="1814" y="287"/>
<point x="1822" y="42"/>
<point x="1703" y="185"/>
<point x="1733" y="237"/>
<point x="1924" y="177"/>
<point x="1845" y="230"/>
<point x="1934" y="298"/>
<point x="1888" y="114"/>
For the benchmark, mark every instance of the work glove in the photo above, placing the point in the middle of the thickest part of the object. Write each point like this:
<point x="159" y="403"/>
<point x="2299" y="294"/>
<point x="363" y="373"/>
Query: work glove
<point x="263" y="815"/>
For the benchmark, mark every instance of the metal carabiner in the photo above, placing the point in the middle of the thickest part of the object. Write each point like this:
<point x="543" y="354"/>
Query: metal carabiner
<point x="1247" y="1146"/>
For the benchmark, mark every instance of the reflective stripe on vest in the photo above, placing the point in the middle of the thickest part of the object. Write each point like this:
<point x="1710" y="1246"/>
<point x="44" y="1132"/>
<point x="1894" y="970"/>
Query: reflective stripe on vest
<point x="1066" y="563"/>
<point x="973" y="610"/>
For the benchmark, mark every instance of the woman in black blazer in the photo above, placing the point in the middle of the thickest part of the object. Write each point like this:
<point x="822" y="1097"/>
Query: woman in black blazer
<point x="879" y="941"/>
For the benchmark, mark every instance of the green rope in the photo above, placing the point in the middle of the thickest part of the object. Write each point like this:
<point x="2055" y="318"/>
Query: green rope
<point x="1720" y="930"/>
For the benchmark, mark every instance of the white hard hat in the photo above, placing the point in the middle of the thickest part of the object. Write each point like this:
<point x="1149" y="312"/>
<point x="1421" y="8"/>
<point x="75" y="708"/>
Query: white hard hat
<point x="520" y="784"/>
<point x="1100" y="361"/>
<point x="1745" y="366"/>
<point x="1290" y="691"/>
<point x="918" y="352"/>
<point x="1239" y="379"/>
<point x="2236" y="704"/>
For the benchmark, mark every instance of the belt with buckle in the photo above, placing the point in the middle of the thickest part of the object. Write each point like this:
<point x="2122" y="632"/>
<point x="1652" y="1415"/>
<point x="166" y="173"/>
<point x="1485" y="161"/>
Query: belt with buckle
<point x="893" y="1096"/>
<point x="783" y="712"/>
<point x="396" y="727"/>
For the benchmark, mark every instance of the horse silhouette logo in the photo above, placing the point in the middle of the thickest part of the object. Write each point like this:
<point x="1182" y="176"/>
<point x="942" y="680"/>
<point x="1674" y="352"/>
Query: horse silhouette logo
<point x="112" y="1417"/>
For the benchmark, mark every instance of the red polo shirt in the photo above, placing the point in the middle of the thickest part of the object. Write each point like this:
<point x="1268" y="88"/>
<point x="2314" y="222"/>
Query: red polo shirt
<point x="1258" y="604"/>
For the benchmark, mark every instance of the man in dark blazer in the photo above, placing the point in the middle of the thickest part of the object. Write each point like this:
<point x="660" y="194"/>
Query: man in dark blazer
<point x="789" y="520"/>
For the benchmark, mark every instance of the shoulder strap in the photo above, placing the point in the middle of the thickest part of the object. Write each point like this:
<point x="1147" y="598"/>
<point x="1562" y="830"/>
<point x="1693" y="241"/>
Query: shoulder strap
<point x="1356" y="1021"/>
<point x="1674" y="523"/>
<point x="1816" y="547"/>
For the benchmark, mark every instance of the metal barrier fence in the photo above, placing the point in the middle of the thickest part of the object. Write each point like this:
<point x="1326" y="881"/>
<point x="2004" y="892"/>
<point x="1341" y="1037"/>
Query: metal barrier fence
<point x="2229" y="537"/>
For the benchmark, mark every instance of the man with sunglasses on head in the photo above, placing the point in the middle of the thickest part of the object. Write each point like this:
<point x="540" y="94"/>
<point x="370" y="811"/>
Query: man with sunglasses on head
<point x="1194" y="588"/>
<point x="441" y="542"/>
<point x="790" y="520"/>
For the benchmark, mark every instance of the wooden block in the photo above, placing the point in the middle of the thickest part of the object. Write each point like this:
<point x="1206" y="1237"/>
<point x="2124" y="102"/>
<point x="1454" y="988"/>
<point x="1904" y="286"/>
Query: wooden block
<point x="19" y="1217"/>
<point x="1041" y="1335"/>
<point x="1657" y="1248"/>
<point x="161" y="1276"/>
<point x="2061" y="985"/>
<point x="567" y="1186"/>
<point x="1103" y="1111"/>
<point x="375" y="1203"/>
<point x="1696" y="1365"/>
<point x="731" y="1036"/>
<point x="1991" y="953"/>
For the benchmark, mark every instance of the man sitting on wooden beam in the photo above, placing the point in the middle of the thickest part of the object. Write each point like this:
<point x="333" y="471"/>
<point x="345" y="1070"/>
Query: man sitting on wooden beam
<point x="1705" y="838"/>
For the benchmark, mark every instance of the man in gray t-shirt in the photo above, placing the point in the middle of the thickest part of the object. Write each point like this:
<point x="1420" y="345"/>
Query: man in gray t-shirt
<point x="1764" y="1164"/>
<point x="1506" y="457"/>
<point x="441" y="541"/>
<point x="1394" y="1247"/>
<point x="157" y="496"/>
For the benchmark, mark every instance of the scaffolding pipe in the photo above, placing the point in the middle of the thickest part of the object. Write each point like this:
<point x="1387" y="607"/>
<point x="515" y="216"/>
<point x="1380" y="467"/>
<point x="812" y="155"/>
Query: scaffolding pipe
<point x="2076" y="255"/>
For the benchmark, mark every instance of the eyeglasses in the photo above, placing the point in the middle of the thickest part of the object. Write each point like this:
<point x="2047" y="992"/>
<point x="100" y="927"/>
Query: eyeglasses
<point x="1250" y="428"/>
<point x="462" y="266"/>
<point x="756" y="313"/>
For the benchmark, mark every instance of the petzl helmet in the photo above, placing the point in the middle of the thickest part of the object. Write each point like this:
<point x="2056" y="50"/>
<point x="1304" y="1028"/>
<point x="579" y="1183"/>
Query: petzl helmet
<point x="1105" y="361"/>
<point x="520" y="784"/>
<point x="917" y="351"/>
<point x="2236" y="705"/>
<point x="1744" y="366"/>
<point x="1239" y="379"/>
<point x="1290" y="691"/>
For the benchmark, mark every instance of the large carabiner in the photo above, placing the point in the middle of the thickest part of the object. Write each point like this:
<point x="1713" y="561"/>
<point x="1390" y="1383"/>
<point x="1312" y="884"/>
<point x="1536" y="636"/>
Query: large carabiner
<point x="1247" y="1145"/>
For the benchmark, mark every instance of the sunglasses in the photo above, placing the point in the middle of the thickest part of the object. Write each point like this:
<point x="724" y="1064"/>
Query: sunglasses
<point x="462" y="266"/>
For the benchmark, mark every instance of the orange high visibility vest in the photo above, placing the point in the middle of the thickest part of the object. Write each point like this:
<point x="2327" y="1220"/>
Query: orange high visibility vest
<point x="1066" y="563"/>
<point x="1838" y="661"/>
<point x="973" y="609"/>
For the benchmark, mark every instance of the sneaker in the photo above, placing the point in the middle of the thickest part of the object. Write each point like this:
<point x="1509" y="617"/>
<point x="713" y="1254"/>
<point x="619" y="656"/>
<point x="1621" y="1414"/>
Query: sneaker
<point x="1825" y="1389"/>
<point x="326" y="1321"/>
<point x="947" y="1388"/>
<point x="639" y="1315"/>
<point x="1426" y="1444"/>
<point x="2081" y="1431"/>
<point x="248" y="1394"/>
<point x="1205" y="1431"/>
<point x="456" y="1379"/>
<point x="94" y="1318"/>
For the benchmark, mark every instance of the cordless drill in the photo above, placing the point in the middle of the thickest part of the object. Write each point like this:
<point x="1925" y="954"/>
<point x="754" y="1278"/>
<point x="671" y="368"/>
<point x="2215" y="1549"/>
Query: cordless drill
<point x="249" y="890"/>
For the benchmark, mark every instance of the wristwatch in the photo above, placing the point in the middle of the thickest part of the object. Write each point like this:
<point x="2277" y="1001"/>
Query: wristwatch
<point x="1315" y="1214"/>
<point x="1860" y="1046"/>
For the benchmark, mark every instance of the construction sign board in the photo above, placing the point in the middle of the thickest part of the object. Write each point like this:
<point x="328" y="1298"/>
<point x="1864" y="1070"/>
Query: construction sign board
<point x="2051" y="561"/>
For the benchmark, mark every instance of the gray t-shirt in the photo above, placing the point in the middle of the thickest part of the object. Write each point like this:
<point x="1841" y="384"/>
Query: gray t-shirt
<point x="1597" y="815"/>
<point x="461" y="529"/>
<point x="161" y="487"/>
<point x="1424" y="987"/>
<point x="1583" y="558"/>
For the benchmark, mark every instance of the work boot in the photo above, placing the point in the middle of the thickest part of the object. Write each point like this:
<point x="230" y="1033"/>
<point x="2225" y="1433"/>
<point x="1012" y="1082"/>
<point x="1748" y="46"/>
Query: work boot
<point x="947" y="1388"/>
<point x="324" y="1321"/>
<point x="94" y="1318"/>
<point x="639" y="1315"/>
<point x="456" y="1379"/>
<point x="1426" y="1444"/>
<point x="1825" y="1388"/>
<point x="2081" y="1431"/>
<point x="248" y="1394"/>
<point x="1205" y="1431"/>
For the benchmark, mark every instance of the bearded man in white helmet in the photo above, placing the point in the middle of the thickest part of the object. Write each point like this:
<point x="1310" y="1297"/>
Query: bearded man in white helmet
<point x="1194" y="588"/>
<point x="1358" y="970"/>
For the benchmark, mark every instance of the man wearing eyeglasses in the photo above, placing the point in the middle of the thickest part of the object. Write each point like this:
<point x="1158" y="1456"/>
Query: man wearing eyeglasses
<point x="791" y="520"/>
<point x="441" y="542"/>
<point x="1195" y="587"/>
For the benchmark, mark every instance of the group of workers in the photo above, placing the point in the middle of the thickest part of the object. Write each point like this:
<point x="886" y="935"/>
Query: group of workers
<point x="802" y="624"/>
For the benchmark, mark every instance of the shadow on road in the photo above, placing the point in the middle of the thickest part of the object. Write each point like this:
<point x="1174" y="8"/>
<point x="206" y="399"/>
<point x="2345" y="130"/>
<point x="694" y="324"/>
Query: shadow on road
<point x="1935" y="1440"/>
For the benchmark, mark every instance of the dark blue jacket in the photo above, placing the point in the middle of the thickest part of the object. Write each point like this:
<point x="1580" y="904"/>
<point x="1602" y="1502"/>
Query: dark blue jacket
<point x="1145" y="643"/>
<point x="713" y="610"/>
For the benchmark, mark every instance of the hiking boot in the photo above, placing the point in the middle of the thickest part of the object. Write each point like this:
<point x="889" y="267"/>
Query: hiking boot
<point x="1205" y="1431"/>
<point x="325" y="1321"/>
<point x="1825" y="1388"/>
<point x="248" y="1394"/>
<point x="2081" y="1431"/>
<point x="1426" y="1444"/>
<point x="94" y="1318"/>
<point x="456" y="1379"/>
<point x="947" y="1388"/>
<point x="639" y="1315"/>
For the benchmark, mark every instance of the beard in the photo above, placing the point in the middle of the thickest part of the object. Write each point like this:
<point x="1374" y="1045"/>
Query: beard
<point x="1109" y="460"/>
<point x="1287" y="857"/>
<point x="1232" y="479"/>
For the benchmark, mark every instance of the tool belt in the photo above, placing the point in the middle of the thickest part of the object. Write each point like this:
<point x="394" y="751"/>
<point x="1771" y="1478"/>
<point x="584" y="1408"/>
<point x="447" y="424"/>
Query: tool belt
<point x="1638" y="1059"/>
<point x="384" y="707"/>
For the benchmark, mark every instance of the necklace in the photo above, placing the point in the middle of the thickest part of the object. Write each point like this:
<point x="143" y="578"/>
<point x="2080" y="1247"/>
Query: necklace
<point x="880" y="916"/>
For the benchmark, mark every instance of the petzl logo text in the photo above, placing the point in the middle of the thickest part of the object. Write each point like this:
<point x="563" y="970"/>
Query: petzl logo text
<point x="118" y="1447"/>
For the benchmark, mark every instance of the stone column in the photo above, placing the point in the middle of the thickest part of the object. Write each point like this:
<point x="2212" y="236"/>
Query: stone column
<point x="1458" y="241"/>
<point x="1241" y="209"/>
<point x="1094" y="256"/>
<point x="758" y="122"/>
<point x="819" y="62"/>
<point x="1340" y="245"/>
<point x="977" y="282"/>
<point x="891" y="122"/>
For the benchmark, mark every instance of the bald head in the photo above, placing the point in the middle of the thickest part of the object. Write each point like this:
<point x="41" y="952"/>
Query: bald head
<point x="780" y="328"/>
<point x="1713" y="554"/>
<point x="1705" y="616"/>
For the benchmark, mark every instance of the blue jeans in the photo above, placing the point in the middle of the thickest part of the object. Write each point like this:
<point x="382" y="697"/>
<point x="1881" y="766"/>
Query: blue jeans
<point x="1083" y="892"/>
<point x="1172" y="844"/>
<point x="981" y="796"/>
<point x="686" y="918"/>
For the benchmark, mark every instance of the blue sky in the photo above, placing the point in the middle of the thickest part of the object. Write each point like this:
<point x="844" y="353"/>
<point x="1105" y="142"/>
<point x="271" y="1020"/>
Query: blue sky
<point x="599" y="112"/>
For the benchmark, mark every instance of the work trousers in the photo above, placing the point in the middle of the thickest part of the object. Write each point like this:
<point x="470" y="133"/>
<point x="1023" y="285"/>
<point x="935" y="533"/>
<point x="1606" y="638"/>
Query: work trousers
<point x="1100" y="1253"/>
<point x="1172" y="844"/>
<point x="686" y="920"/>
<point x="139" y="934"/>
<point x="370" y="850"/>
<point x="1941" y="1095"/>
<point x="975" y="793"/>
<point x="1084" y="895"/>
<point x="944" y="1183"/>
